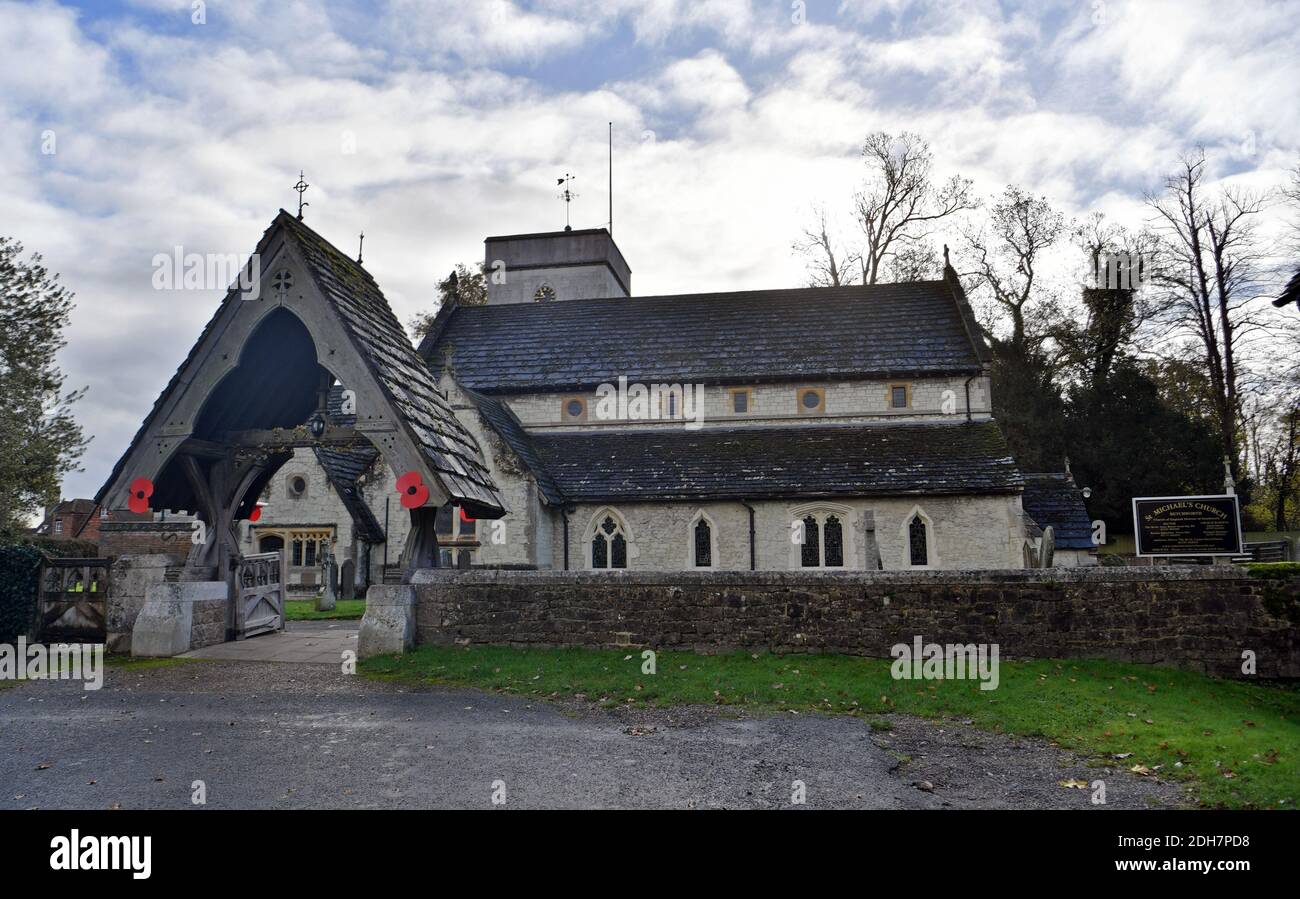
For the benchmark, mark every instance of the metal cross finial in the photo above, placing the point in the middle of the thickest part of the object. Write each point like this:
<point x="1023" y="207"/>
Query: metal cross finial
<point x="360" y="244"/>
<point x="567" y="195"/>
<point x="301" y="186"/>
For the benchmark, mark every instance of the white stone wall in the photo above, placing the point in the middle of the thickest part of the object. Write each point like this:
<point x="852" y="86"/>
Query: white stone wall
<point x="846" y="401"/>
<point x="963" y="532"/>
<point x="578" y="282"/>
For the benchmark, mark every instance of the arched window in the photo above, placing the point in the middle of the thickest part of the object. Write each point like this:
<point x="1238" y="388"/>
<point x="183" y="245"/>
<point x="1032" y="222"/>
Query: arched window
<point x="917" y="542"/>
<point x="811" y="555"/>
<point x="822" y="527"/>
<point x="703" y="544"/>
<point x="609" y="544"/>
<point x="834" y="540"/>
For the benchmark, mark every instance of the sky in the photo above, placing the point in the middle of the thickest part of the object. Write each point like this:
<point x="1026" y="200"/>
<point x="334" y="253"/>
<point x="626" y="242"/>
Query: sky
<point x="132" y="127"/>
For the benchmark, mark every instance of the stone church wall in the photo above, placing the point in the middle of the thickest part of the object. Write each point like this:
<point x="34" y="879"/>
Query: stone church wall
<point x="1199" y="619"/>
<point x="966" y="532"/>
<point x="862" y="400"/>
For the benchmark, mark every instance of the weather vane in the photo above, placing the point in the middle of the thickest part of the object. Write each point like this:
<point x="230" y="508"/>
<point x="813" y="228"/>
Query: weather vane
<point x="360" y="244"/>
<point x="567" y="195"/>
<point x="301" y="186"/>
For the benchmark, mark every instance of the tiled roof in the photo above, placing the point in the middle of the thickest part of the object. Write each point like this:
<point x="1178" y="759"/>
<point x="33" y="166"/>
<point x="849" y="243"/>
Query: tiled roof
<point x="1052" y="499"/>
<point x="886" y="330"/>
<point x="760" y="462"/>
<point x="384" y="345"/>
<point x="343" y="467"/>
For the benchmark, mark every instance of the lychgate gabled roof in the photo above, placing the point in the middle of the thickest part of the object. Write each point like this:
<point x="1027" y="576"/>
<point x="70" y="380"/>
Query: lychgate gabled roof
<point x="259" y="362"/>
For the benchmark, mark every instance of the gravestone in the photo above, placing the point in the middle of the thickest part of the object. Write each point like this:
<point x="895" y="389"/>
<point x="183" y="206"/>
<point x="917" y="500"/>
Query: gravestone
<point x="328" y="597"/>
<point x="348" y="580"/>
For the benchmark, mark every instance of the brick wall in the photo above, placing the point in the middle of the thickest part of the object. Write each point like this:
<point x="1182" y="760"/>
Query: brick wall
<point x="121" y="538"/>
<point x="1199" y="619"/>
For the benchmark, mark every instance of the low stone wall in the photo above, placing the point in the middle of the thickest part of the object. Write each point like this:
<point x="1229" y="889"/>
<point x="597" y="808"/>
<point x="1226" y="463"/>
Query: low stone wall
<point x="1201" y="619"/>
<point x="131" y="577"/>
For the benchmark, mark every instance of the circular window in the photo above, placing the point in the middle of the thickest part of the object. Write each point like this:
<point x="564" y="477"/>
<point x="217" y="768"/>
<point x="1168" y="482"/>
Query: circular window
<point x="574" y="408"/>
<point x="811" y="399"/>
<point x="298" y="485"/>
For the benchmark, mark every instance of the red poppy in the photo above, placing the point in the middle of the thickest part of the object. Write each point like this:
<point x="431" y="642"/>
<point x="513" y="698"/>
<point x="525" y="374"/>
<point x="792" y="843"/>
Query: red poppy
<point x="141" y="490"/>
<point x="255" y="514"/>
<point x="465" y="518"/>
<point x="413" y="491"/>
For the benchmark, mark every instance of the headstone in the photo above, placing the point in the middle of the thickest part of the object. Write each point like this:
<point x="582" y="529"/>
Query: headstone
<point x="327" y="599"/>
<point x="1048" y="548"/>
<point x="348" y="580"/>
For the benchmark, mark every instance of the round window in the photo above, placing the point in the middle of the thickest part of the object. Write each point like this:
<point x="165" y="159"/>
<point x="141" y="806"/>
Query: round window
<point x="574" y="408"/>
<point x="811" y="399"/>
<point x="298" y="485"/>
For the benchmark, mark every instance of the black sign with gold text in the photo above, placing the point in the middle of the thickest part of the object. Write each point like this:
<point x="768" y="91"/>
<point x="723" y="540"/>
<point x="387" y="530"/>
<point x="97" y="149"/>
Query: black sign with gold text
<point x="1187" y="526"/>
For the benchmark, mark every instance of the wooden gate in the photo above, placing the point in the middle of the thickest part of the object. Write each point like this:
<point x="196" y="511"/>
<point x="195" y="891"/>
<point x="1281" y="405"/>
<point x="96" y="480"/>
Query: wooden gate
<point x="73" y="600"/>
<point x="259" y="594"/>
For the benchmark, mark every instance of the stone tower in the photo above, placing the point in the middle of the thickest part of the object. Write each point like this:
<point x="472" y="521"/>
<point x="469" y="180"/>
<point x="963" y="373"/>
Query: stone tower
<point x="555" y="265"/>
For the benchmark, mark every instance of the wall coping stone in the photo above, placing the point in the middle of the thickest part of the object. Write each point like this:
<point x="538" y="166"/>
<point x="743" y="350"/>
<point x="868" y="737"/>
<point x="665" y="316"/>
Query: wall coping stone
<point x="1045" y="576"/>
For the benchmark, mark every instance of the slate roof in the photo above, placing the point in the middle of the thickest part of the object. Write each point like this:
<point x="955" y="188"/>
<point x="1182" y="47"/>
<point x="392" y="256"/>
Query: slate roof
<point x="343" y="467"/>
<point x="1052" y="499"/>
<point x="758" y="462"/>
<point x="402" y="374"/>
<point x="502" y="420"/>
<point x="818" y="333"/>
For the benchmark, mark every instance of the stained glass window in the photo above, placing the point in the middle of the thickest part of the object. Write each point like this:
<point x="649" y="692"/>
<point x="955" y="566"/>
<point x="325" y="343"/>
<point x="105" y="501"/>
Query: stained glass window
<point x="703" y="544"/>
<point x="834" y="542"/>
<point x="920" y="553"/>
<point x="599" y="552"/>
<point x="618" y="552"/>
<point x="811" y="552"/>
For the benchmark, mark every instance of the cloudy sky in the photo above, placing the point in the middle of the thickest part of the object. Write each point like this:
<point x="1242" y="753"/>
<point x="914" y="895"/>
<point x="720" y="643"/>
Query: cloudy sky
<point x="433" y="123"/>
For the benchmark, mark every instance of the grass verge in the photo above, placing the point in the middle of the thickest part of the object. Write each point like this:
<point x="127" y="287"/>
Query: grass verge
<point x="305" y="610"/>
<point x="1239" y="743"/>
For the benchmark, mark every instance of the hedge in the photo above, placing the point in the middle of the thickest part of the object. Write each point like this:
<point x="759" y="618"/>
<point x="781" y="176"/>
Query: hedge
<point x="20" y="560"/>
<point x="19" y="571"/>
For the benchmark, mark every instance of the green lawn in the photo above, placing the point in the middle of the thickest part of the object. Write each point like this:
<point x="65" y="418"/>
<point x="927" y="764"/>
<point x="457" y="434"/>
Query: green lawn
<point x="305" y="610"/>
<point x="1239" y="742"/>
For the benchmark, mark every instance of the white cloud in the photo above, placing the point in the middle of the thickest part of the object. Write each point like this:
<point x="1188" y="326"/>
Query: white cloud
<point x="730" y="121"/>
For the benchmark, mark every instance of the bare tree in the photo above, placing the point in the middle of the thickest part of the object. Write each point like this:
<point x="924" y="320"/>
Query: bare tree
<point x="1006" y="254"/>
<point x="828" y="266"/>
<point x="1209" y="274"/>
<point x="897" y="211"/>
<point x="900" y="205"/>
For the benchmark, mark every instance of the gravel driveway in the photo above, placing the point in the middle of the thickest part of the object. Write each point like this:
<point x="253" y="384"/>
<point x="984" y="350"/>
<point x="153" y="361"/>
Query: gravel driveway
<point x="269" y="735"/>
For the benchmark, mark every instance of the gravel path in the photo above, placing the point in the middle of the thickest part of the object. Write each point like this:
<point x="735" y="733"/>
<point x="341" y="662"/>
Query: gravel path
<point x="264" y="735"/>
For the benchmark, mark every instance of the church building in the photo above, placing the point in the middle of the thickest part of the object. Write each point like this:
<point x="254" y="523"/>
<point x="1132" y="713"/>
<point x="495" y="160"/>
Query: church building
<point x="840" y="428"/>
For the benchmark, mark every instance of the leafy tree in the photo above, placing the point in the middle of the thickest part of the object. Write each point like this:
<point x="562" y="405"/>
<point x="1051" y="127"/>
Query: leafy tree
<point x="40" y="441"/>
<point x="1125" y="440"/>
<point x="467" y="286"/>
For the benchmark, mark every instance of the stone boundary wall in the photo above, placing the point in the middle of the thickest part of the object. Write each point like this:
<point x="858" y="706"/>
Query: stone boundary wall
<point x="1200" y="619"/>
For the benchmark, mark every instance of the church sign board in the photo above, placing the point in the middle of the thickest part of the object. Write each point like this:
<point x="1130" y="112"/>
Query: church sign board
<point x="1187" y="525"/>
